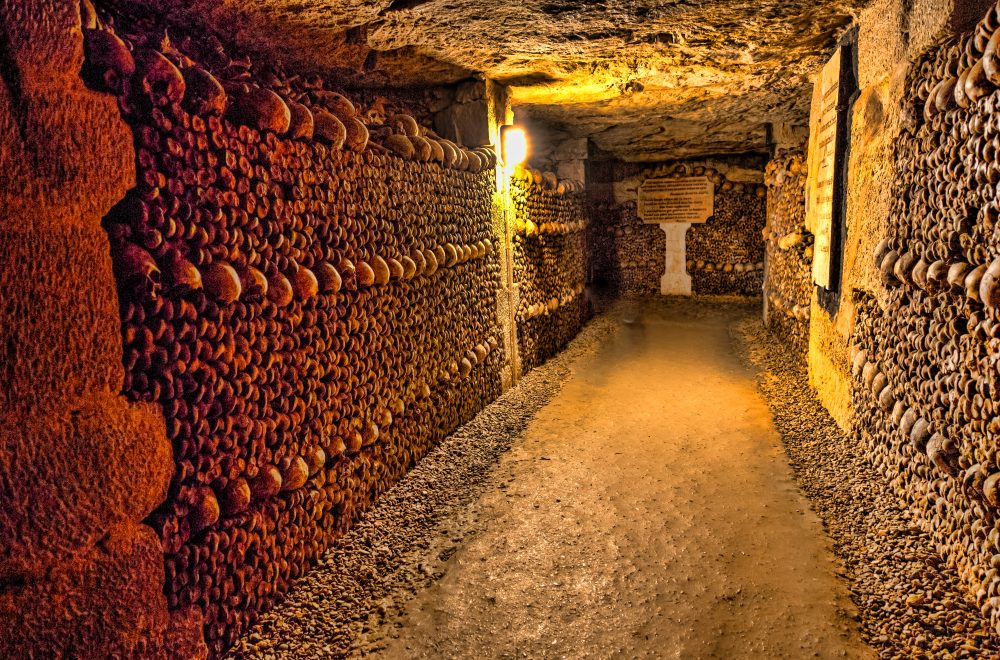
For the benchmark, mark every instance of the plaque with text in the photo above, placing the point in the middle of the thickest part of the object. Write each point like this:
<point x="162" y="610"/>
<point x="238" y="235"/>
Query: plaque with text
<point x="823" y="138"/>
<point x="678" y="200"/>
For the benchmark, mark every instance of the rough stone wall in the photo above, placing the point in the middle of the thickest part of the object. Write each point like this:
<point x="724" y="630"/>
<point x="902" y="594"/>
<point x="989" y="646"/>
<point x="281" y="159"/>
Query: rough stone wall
<point x="301" y="314"/>
<point x="80" y="465"/>
<point x="924" y="348"/>
<point x="788" y="273"/>
<point x="550" y="265"/>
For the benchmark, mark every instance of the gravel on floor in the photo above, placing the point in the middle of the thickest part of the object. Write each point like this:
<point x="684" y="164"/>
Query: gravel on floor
<point x="911" y="604"/>
<point x="338" y="609"/>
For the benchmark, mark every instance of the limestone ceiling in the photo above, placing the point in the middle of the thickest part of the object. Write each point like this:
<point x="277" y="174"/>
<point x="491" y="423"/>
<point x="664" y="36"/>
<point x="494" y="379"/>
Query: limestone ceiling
<point x="645" y="79"/>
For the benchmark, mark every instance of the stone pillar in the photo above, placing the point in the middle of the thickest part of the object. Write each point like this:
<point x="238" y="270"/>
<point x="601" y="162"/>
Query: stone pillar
<point x="495" y="112"/>
<point x="571" y="159"/>
<point x="80" y="466"/>
<point x="675" y="280"/>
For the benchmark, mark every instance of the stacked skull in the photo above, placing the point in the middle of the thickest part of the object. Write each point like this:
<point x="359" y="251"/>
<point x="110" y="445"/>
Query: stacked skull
<point x="924" y="356"/>
<point x="311" y="310"/>
<point x="725" y="255"/>
<point x="628" y="254"/>
<point x="788" y="277"/>
<point x="549" y="263"/>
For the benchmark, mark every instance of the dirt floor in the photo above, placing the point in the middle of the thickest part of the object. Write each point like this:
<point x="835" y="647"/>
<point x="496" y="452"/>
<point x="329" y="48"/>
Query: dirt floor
<point x="630" y="498"/>
<point x="647" y="510"/>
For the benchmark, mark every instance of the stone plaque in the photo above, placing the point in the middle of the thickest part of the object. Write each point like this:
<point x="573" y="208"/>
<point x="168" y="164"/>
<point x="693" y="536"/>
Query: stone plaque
<point x="822" y="159"/>
<point x="678" y="200"/>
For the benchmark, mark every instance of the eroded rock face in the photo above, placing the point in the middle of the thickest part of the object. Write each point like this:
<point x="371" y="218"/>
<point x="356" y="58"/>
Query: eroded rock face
<point x="646" y="79"/>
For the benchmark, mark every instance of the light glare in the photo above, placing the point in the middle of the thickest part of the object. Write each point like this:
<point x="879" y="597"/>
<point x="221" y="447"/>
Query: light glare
<point x="515" y="146"/>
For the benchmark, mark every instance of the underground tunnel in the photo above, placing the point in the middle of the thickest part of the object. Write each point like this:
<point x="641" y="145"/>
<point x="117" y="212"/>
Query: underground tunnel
<point x="413" y="328"/>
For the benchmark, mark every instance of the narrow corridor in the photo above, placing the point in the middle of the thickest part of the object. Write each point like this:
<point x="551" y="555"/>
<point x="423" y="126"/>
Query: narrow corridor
<point x="645" y="508"/>
<point x="648" y="510"/>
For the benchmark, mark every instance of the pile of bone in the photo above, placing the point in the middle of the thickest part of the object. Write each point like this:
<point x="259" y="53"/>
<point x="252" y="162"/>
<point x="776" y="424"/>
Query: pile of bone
<point x="535" y="310"/>
<point x="631" y="252"/>
<point x="548" y="181"/>
<point x="972" y="75"/>
<point x="709" y="266"/>
<point x="911" y="603"/>
<point x="924" y="370"/>
<point x="543" y="336"/>
<point x="311" y="315"/>
<point x="725" y="255"/>
<point x="789" y="248"/>
<point x="549" y="267"/>
<point x="788" y="308"/>
<point x="543" y="205"/>
<point x="208" y="81"/>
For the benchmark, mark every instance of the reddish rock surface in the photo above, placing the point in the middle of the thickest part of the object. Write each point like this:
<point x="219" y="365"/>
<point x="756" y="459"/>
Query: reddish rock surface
<point x="80" y="467"/>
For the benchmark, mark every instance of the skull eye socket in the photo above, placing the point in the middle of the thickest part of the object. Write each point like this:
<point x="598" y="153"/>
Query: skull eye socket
<point x="112" y="80"/>
<point x="161" y="87"/>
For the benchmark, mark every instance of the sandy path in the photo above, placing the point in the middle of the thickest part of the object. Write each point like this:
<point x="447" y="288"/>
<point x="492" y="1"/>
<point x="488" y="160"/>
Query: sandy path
<point x="648" y="510"/>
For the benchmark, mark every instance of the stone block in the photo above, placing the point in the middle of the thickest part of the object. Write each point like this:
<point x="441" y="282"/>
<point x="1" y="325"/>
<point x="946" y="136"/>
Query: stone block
<point x="465" y="123"/>
<point x="106" y="603"/>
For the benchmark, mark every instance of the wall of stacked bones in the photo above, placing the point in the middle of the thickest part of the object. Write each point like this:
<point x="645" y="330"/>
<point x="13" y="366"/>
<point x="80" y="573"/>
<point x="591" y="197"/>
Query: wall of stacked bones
<point x="725" y="255"/>
<point x="308" y="289"/>
<point x="549" y="263"/>
<point x="925" y="346"/>
<point x="628" y="255"/>
<point x="788" y="274"/>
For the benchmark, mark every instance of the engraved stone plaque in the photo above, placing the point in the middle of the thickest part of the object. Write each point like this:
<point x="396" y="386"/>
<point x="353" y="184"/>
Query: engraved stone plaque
<point x="677" y="200"/>
<point x="822" y="159"/>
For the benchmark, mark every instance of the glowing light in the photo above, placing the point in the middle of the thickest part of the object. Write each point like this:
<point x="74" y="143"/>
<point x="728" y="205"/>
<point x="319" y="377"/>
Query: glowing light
<point x="515" y="146"/>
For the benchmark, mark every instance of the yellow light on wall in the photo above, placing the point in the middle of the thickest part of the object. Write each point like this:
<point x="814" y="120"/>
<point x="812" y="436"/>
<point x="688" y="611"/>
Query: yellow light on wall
<point x="515" y="146"/>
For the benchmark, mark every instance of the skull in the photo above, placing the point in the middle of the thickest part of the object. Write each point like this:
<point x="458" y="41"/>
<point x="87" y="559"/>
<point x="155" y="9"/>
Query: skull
<point x="138" y="270"/>
<point x="109" y="64"/>
<point x="156" y="81"/>
<point x="203" y="94"/>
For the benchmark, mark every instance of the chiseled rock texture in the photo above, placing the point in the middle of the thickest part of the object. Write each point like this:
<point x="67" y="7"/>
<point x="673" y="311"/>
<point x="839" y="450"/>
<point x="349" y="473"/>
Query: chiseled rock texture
<point x="80" y="467"/>
<point x="645" y="79"/>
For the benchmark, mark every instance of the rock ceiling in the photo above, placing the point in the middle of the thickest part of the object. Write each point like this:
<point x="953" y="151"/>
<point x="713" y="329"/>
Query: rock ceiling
<point x="644" y="79"/>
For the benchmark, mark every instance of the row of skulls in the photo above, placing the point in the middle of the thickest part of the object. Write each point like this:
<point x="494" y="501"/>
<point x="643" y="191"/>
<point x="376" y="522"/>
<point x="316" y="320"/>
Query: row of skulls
<point x="312" y="311"/>
<point x="925" y="344"/>
<point x="628" y="255"/>
<point x="160" y="72"/>
<point x="727" y="246"/>
<point x="789" y="246"/>
<point x="550" y="258"/>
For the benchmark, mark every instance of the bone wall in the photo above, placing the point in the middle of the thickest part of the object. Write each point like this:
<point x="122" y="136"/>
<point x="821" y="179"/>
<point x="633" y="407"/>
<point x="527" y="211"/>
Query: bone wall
<point x="788" y="273"/>
<point x="892" y="34"/>
<point x="549" y="264"/>
<point x="924" y="344"/>
<point x="628" y="255"/>
<point x="725" y="255"/>
<point x="308" y="291"/>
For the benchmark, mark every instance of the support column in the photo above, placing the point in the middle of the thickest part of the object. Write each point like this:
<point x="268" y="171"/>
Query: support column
<point x="497" y="113"/>
<point x="675" y="280"/>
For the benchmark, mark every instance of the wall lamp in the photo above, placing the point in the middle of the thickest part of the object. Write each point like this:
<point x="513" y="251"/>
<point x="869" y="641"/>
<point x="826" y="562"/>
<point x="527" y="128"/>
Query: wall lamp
<point x="514" y="143"/>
